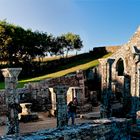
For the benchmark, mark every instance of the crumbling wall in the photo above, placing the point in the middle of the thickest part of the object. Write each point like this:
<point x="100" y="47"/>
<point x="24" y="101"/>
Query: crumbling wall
<point x="110" y="129"/>
<point x="120" y="78"/>
<point x="38" y="93"/>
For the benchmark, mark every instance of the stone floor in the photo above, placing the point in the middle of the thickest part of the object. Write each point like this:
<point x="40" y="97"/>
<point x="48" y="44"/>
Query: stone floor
<point x="43" y="123"/>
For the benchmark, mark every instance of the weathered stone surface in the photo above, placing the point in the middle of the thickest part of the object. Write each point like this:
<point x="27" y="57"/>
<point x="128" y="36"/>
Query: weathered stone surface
<point x="26" y="115"/>
<point x="121" y="77"/>
<point x="42" y="96"/>
<point x="114" y="129"/>
<point x="91" y="115"/>
<point x="12" y="102"/>
<point x="61" y="99"/>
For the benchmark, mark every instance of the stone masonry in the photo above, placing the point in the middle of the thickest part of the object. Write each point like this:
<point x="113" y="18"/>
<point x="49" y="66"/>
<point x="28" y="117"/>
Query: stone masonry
<point x="10" y="75"/>
<point x="61" y="100"/>
<point x="121" y="77"/>
<point x="104" y="129"/>
<point x="41" y="94"/>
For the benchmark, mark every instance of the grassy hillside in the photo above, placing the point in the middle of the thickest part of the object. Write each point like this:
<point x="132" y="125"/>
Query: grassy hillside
<point x="84" y="61"/>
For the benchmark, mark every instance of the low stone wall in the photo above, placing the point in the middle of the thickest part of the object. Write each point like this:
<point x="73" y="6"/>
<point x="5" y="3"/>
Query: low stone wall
<point x="112" y="49"/>
<point x="106" y="49"/>
<point x="38" y="92"/>
<point x="103" y="129"/>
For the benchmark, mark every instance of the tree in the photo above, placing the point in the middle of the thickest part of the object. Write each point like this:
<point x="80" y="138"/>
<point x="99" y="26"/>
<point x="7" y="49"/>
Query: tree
<point x="6" y="41"/>
<point x="73" y="42"/>
<point x="20" y="46"/>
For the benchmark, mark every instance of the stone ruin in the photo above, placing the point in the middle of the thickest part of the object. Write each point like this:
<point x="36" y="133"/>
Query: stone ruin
<point x="120" y="79"/>
<point x="12" y="101"/>
<point x="120" y="91"/>
<point x="98" y="129"/>
<point x="104" y="129"/>
<point x="42" y="96"/>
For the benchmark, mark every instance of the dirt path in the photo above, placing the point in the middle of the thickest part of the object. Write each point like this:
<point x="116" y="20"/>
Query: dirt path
<point x="43" y="123"/>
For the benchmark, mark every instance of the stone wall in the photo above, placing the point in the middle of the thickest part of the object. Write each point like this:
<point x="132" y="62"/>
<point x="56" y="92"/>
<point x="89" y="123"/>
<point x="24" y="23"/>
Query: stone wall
<point x="120" y="77"/>
<point x="112" y="49"/>
<point x="105" y="49"/>
<point x="39" y="93"/>
<point x="109" y="129"/>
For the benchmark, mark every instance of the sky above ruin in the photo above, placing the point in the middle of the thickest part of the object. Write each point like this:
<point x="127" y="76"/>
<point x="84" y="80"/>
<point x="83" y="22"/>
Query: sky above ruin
<point x="98" y="22"/>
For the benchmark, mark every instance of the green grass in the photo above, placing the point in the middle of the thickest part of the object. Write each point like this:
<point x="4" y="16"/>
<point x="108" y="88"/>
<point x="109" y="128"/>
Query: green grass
<point x="2" y="85"/>
<point x="70" y="68"/>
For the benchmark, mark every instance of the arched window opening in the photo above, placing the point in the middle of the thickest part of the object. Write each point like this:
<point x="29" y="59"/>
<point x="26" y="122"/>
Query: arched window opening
<point x="120" y="67"/>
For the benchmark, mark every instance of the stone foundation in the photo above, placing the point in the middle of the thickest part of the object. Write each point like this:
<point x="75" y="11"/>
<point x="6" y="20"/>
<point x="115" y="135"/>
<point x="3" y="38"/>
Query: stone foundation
<point x="110" y="129"/>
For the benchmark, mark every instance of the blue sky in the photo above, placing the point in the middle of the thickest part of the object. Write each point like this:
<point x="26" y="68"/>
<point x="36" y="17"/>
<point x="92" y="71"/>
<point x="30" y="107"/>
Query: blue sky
<point x="98" y="22"/>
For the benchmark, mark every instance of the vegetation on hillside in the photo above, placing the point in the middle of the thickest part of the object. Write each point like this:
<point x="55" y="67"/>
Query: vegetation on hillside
<point x="19" y="47"/>
<point x="28" y="49"/>
<point x="84" y="65"/>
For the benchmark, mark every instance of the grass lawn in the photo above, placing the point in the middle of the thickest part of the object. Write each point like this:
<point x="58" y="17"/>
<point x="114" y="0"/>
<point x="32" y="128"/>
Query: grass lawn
<point x="60" y="73"/>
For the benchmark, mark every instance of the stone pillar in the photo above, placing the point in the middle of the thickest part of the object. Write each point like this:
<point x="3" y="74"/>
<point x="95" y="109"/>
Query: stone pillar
<point x="138" y="80"/>
<point x="104" y="100"/>
<point x="69" y="94"/>
<point x="81" y="79"/>
<point x="109" y="76"/>
<point x="10" y="75"/>
<point x="133" y="91"/>
<point x="103" y="72"/>
<point x="109" y="85"/>
<point x="138" y="87"/>
<point x="61" y="100"/>
<point x="53" y="102"/>
<point x="135" y="83"/>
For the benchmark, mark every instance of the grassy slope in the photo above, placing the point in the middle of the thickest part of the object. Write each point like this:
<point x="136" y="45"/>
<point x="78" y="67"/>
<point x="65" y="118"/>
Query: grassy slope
<point x="82" y="64"/>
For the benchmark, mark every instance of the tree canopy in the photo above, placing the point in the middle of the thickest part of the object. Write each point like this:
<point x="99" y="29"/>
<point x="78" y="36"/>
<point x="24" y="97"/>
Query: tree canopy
<point x="18" y="45"/>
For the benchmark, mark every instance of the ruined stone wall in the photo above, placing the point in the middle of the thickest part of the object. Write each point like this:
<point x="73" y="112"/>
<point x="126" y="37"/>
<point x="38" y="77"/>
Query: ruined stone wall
<point x="109" y="129"/>
<point x="65" y="80"/>
<point x="127" y="83"/>
<point x="39" y="94"/>
<point x="112" y="49"/>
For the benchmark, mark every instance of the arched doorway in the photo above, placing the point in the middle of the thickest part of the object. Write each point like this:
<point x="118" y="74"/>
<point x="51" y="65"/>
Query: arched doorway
<point x="120" y="67"/>
<point x="118" y="89"/>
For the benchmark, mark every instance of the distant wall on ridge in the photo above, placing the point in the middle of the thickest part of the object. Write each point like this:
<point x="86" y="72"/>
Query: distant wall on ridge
<point x="106" y="49"/>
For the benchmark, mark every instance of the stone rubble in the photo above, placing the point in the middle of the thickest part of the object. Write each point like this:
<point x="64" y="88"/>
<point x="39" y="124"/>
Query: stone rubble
<point x="113" y="128"/>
